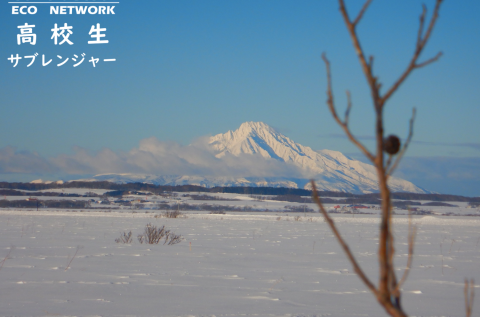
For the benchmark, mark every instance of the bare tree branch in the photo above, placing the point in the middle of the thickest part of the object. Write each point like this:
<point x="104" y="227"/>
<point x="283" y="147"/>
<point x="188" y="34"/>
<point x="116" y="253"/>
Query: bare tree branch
<point x="421" y="25"/>
<point x="429" y="61"/>
<point x="360" y="14"/>
<point x="433" y="20"/>
<point x="71" y="260"/>
<point x="12" y="247"/>
<point x="405" y="146"/>
<point x="388" y="291"/>
<point x="343" y="244"/>
<point x="342" y="124"/>
<point x="370" y="62"/>
<point x="469" y="293"/>
<point x="349" y="107"/>
<point x="367" y="70"/>
<point x="421" y="42"/>
<point x="389" y="161"/>
<point x="392" y="278"/>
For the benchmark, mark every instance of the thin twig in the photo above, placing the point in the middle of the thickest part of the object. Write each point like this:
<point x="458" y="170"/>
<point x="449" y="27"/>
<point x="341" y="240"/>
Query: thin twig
<point x="421" y="42"/>
<point x="342" y="124"/>
<point x="343" y="244"/>
<point x="412" y="232"/>
<point x="421" y="25"/>
<point x="429" y="61"/>
<point x="469" y="293"/>
<point x="451" y="246"/>
<point x="68" y="265"/>
<point x="12" y="247"/>
<point x="442" y="264"/>
<point x="349" y="107"/>
<point x="367" y="69"/>
<point x="405" y="146"/>
<point x="360" y="14"/>
<point x="389" y="161"/>
<point x="433" y="20"/>
<point x="392" y="278"/>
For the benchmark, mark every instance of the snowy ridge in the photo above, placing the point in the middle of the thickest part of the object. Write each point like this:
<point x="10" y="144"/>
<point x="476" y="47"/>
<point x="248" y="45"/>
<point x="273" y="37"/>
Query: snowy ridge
<point x="204" y="181"/>
<point x="331" y="169"/>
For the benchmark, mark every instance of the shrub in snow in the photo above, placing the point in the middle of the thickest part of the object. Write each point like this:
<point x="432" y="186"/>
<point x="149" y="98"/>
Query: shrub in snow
<point x="125" y="237"/>
<point x="154" y="234"/>
<point x="172" y="214"/>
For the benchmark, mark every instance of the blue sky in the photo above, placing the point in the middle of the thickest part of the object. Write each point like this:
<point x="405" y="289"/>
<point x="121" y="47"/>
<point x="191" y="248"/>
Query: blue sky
<point x="186" y="69"/>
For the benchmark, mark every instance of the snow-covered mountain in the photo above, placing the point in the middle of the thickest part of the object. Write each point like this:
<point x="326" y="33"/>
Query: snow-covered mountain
<point x="331" y="169"/>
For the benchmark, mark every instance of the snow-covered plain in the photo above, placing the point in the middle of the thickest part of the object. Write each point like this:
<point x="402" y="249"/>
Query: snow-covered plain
<point x="238" y="264"/>
<point x="150" y="201"/>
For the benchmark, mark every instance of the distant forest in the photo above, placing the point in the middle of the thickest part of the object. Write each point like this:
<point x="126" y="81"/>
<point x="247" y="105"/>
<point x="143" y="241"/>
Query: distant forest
<point x="120" y="189"/>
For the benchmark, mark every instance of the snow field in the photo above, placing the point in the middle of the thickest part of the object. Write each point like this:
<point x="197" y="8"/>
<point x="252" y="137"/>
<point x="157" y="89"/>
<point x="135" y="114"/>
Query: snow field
<point x="228" y="265"/>
<point x="233" y="200"/>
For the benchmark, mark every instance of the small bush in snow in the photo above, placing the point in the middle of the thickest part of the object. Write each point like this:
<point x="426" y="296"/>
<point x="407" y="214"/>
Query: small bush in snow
<point x="154" y="234"/>
<point x="172" y="214"/>
<point x="125" y="237"/>
<point x="173" y="239"/>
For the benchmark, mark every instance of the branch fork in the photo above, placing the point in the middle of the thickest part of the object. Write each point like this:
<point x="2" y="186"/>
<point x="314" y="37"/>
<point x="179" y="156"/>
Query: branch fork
<point x="388" y="292"/>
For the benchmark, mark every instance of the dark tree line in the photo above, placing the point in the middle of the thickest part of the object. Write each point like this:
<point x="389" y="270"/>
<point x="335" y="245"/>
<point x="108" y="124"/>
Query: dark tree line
<point x="121" y="189"/>
<point x="44" y="204"/>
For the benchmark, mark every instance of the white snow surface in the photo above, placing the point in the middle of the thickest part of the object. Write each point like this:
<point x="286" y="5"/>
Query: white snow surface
<point x="331" y="169"/>
<point x="65" y="263"/>
<point x="40" y="181"/>
<point x="204" y="181"/>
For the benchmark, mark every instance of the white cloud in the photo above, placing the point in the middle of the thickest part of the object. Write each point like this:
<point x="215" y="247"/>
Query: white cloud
<point x="447" y="175"/>
<point x="169" y="158"/>
<point x="152" y="156"/>
<point x="13" y="161"/>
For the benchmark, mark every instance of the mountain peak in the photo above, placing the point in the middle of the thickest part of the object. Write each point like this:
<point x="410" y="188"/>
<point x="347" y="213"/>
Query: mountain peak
<point x="253" y="138"/>
<point x="251" y="128"/>
<point x="255" y="126"/>
<point x="258" y="155"/>
<point x="331" y="169"/>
